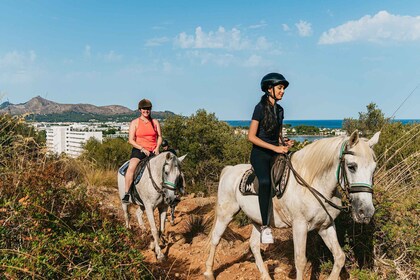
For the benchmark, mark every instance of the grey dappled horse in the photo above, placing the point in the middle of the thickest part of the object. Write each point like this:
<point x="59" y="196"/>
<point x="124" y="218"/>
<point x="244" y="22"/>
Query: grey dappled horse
<point x="349" y="161"/>
<point x="157" y="188"/>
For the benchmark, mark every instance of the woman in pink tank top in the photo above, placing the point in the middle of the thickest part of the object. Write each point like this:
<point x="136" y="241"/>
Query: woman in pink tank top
<point x="145" y="137"/>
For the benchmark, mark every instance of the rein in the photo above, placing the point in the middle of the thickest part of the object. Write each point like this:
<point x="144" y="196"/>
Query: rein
<point x="164" y="185"/>
<point x="341" y="172"/>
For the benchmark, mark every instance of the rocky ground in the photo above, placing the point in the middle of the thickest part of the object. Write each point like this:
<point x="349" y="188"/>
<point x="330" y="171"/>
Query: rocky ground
<point x="186" y="252"/>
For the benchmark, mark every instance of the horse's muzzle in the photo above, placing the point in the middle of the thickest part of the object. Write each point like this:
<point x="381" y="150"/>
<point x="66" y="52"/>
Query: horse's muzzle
<point x="363" y="215"/>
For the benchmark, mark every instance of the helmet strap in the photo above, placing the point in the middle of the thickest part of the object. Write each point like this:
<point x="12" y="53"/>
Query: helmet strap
<point x="272" y="95"/>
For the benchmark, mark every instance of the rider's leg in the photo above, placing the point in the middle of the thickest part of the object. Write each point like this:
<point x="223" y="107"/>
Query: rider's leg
<point x="136" y="156"/>
<point x="261" y="162"/>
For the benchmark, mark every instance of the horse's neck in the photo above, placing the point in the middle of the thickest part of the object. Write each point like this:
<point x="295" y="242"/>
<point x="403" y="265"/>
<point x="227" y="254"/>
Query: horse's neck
<point x="324" y="181"/>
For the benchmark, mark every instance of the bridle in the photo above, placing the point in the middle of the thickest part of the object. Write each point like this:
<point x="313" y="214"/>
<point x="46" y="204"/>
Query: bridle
<point x="165" y="184"/>
<point x="341" y="175"/>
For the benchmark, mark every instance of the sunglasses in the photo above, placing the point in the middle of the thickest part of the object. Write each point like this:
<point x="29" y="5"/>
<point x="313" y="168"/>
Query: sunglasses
<point x="147" y="108"/>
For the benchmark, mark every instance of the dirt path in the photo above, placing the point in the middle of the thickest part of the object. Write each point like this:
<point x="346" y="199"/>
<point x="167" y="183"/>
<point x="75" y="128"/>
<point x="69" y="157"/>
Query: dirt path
<point x="186" y="254"/>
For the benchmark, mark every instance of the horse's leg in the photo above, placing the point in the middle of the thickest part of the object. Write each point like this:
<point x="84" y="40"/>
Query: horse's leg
<point x="163" y="210"/>
<point x="329" y="235"/>
<point x="139" y="214"/>
<point x="172" y="215"/>
<point x="300" y="234"/>
<point x="254" y="243"/>
<point x="126" y="215"/>
<point x="224" y="214"/>
<point x="149" y="212"/>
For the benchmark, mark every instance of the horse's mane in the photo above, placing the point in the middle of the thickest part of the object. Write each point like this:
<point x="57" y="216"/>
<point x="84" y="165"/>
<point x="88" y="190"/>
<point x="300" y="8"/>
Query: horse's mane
<point x="317" y="157"/>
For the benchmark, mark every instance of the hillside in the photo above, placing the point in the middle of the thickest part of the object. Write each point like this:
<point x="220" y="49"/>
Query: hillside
<point x="41" y="109"/>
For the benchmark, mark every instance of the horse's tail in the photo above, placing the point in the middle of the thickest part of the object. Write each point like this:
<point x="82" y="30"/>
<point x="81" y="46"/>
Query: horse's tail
<point x="216" y="206"/>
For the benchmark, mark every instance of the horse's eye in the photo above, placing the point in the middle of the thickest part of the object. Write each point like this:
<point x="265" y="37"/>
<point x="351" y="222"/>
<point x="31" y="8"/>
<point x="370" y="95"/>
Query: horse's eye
<point x="352" y="167"/>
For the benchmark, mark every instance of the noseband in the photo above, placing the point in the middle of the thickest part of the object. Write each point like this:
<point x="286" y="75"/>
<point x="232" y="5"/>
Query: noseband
<point x="341" y="173"/>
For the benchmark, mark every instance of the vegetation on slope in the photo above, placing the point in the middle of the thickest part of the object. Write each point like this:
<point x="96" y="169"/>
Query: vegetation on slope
<point x="50" y="228"/>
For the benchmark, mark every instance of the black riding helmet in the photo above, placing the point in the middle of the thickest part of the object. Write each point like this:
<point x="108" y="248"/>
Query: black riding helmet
<point x="165" y="143"/>
<point x="273" y="79"/>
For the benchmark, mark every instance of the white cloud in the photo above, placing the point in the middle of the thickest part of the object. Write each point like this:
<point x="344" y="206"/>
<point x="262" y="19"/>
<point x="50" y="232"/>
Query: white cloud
<point x="156" y="41"/>
<point x="285" y="27"/>
<point x="255" y="61"/>
<point x="381" y="27"/>
<point x="304" y="28"/>
<point x="87" y="52"/>
<point x="220" y="39"/>
<point x="112" y="57"/>
<point x="17" y="59"/>
<point x="18" y="67"/>
<point x="259" y="25"/>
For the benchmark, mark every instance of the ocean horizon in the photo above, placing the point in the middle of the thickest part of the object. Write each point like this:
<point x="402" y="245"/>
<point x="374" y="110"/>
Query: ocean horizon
<point x="331" y="124"/>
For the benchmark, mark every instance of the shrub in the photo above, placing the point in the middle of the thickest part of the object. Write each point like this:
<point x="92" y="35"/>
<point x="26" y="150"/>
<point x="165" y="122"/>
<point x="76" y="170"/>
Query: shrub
<point x="49" y="227"/>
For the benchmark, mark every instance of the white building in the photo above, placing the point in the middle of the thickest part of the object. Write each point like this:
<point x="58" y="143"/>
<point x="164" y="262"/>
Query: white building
<point x="69" y="140"/>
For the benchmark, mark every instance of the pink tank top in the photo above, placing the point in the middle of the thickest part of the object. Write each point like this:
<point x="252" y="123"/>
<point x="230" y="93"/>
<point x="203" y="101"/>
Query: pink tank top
<point x="146" y="135"/>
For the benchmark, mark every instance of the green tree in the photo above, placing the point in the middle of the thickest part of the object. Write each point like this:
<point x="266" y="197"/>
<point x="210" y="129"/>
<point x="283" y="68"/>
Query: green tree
<point x="110" y="154"/>
<point x="368" y="123"/>
<point x="211" y="144"/>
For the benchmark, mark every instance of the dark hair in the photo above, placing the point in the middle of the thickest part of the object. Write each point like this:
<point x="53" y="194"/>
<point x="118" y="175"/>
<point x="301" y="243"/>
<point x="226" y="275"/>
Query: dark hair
<point x="269" y="120"/>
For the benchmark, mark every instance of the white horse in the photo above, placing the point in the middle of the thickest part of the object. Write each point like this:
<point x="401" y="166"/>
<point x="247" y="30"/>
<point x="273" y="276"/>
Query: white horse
<point x="157" y="188"/>
<point x="322" y="165"/>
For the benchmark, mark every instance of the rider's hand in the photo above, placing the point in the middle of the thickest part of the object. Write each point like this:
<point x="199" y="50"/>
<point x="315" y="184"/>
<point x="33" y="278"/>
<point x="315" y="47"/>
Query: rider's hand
<point x="156" y="151"/>
<point x="289" y="143"/>
<point x="146" y="152"/>
<point x="281" y="149"/>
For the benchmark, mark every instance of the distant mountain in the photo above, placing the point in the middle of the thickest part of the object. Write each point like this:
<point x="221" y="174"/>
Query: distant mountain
<point x="41" y="109"/>
<point x="39" y="105"/>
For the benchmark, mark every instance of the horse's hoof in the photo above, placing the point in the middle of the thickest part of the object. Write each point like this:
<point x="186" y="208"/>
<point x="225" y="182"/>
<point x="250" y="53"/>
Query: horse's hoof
<point x="160" y="257"/>
<point x="265" y="277"/>
<point x="208" y="275"/>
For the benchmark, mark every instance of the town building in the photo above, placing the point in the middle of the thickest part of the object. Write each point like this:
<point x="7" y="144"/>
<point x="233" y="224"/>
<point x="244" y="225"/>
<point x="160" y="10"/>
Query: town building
<point x="69" y="139"/>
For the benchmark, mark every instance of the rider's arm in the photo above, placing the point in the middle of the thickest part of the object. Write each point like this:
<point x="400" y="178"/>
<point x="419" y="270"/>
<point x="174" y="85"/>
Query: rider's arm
<point x="159" y="136"/>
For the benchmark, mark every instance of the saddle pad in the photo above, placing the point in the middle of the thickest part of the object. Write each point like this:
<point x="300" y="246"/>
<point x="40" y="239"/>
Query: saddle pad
<point x="139" y="169"/>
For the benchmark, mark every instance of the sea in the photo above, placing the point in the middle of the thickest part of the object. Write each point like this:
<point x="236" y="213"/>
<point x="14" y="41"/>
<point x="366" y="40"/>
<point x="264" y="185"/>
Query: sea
<point x="330" y="124"/>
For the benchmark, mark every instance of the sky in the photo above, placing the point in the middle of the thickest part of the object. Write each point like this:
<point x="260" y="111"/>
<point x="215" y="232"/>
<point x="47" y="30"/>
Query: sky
<point x="338" y="56"/>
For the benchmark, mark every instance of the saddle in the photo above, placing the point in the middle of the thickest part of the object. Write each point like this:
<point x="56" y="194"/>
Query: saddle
<point x="138" y="172"/>
<point x="279" y="177"/>
<point x="137" y="176"/>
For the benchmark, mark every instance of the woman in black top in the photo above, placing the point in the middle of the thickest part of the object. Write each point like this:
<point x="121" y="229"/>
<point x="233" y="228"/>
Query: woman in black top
<point x="265" y="135"/>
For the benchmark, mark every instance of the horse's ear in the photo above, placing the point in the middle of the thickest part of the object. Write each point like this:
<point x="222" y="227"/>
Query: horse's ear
<point x="354" y="138"/>
<point x="374" y="140"/>
<point x="182" y="158"/>
<point x="168" y="155"/>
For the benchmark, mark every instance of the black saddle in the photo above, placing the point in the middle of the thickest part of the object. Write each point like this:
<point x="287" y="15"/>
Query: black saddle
<point x="279" y="178"/>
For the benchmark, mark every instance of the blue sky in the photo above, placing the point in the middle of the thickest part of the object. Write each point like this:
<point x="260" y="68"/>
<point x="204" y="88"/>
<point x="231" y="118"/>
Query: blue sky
<point x="186" y="55"/>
